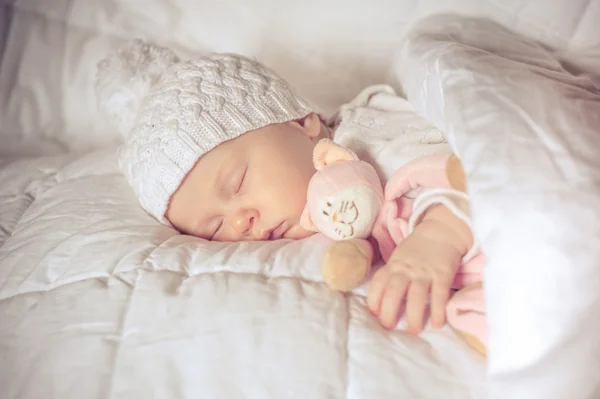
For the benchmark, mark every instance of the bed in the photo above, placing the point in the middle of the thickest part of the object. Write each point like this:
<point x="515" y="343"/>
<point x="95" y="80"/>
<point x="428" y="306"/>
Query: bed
<point x="97" y="300"/>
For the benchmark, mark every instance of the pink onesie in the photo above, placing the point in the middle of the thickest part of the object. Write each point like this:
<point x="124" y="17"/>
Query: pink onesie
<point x="414" y="188"/>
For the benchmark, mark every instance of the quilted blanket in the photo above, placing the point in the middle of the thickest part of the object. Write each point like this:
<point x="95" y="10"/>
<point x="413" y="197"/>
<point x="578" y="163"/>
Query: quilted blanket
<point x="97" y="300"/>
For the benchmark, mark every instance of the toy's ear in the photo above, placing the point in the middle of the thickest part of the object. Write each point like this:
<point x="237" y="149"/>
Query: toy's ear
<point x="327" y="152"/>
<point x="456" y="174"/>
<point x="306" y="221"/>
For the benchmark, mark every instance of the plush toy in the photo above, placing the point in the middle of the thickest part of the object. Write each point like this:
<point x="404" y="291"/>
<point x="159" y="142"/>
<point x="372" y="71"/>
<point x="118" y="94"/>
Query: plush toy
<point x="344" y="199"/>
<point x="347" y="202"/>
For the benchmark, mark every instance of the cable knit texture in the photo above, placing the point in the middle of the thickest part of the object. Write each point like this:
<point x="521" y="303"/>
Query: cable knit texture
<point x="191" y="108"/>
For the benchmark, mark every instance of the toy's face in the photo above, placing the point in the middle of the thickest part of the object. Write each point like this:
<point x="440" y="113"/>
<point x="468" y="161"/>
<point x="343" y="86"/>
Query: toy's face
<point x="350" y="213"/>
<point x="344" y="197"/>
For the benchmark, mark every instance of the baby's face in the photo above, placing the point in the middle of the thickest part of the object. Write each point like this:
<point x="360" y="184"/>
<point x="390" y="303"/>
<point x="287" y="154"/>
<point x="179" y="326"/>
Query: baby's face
<point x="250" y="188"/>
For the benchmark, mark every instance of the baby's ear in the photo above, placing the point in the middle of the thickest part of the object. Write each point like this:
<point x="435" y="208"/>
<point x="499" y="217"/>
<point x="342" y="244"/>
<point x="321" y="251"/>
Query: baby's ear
<point x="306" y="221"/>
<point x="327" y="152"/>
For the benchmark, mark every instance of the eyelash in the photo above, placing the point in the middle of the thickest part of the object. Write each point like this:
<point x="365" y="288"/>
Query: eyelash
<point x="242" y="181"/>
<point x="217" y="230"/>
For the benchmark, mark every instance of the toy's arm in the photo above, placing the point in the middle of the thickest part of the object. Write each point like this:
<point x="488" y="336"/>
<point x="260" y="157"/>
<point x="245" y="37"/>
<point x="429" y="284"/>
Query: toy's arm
<point x="428" y="171"/>
<point x="346" y="263"/>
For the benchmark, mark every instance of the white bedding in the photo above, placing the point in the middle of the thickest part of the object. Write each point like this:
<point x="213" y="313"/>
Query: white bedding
<point x="99" y="301"/>
<point x="527" y="129"/>
<point x="329" y="50"/>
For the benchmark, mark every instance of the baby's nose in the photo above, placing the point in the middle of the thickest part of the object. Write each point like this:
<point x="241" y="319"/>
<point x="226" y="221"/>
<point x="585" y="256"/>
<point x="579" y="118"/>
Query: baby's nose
<point x="243" y="221"/>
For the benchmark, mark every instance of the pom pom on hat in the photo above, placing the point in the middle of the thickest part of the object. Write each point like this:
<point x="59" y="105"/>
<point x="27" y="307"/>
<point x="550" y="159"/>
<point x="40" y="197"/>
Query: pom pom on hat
<point x="124" y="78"/>
<point x="172" y="113"/>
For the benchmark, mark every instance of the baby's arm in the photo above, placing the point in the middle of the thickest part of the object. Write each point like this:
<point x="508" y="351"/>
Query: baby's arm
<point x="456" y="214"/>
<point x="441" y="221"/>
<point x="423" y="263"/>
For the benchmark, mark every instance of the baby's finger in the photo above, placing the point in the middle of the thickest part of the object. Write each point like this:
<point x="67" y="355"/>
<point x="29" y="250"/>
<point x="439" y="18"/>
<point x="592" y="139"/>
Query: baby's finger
<point x="392" y="300"/>
<point x="416" y="301"/>
<point x="376" y="289"/>
<point x="440" y="293"/>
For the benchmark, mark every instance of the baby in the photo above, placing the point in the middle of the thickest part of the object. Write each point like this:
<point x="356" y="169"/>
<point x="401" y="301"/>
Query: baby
<point x="221" y="149"/>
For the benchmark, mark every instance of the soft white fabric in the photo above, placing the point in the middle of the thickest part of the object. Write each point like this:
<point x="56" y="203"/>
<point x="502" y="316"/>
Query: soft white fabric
<point x="328" y="50"/>
<point x="527" y="128"/>
<point x="98" y="300"/>
<point x="383" y="129"/>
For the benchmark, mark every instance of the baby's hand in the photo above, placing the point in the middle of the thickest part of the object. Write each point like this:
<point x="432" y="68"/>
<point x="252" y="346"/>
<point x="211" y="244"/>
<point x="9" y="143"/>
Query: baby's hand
<point x="423" y="263"/>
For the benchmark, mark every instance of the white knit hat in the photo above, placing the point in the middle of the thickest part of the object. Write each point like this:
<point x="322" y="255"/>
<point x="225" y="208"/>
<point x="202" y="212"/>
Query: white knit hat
<point x="172" y="112"/>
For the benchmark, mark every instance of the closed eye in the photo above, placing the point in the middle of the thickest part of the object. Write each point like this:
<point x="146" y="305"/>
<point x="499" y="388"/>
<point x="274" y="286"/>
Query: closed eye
<point x="242" y="180"/>
<point x="212" y="237"/>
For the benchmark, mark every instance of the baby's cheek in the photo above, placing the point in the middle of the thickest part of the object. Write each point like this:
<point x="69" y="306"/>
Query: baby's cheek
<point x="298" y="233"/>
<point x="281" y="194"/>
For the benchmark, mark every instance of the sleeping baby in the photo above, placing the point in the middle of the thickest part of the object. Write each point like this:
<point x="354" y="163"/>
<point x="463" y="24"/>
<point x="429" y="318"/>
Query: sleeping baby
<point x="221" y="148"/>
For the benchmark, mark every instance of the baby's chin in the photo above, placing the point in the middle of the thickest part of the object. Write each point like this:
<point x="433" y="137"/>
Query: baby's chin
<point x="297" y="233"/>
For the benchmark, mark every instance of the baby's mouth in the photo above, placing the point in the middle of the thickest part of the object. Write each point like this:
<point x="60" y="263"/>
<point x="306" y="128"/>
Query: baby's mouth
<point x="278" y="232"/>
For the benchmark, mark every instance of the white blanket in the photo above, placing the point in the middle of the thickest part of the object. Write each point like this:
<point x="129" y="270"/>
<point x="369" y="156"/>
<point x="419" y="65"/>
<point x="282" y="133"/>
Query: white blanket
<point x="97" y="300"/>
<point x="528" y="131"/>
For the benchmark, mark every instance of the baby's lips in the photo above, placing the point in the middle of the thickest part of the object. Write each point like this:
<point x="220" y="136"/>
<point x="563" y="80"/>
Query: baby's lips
<point x="266" y="235"/>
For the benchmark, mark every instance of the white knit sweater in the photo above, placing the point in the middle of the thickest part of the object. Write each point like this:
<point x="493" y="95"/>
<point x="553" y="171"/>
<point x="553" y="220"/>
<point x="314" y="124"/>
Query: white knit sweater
<point x="383" y="129"/>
